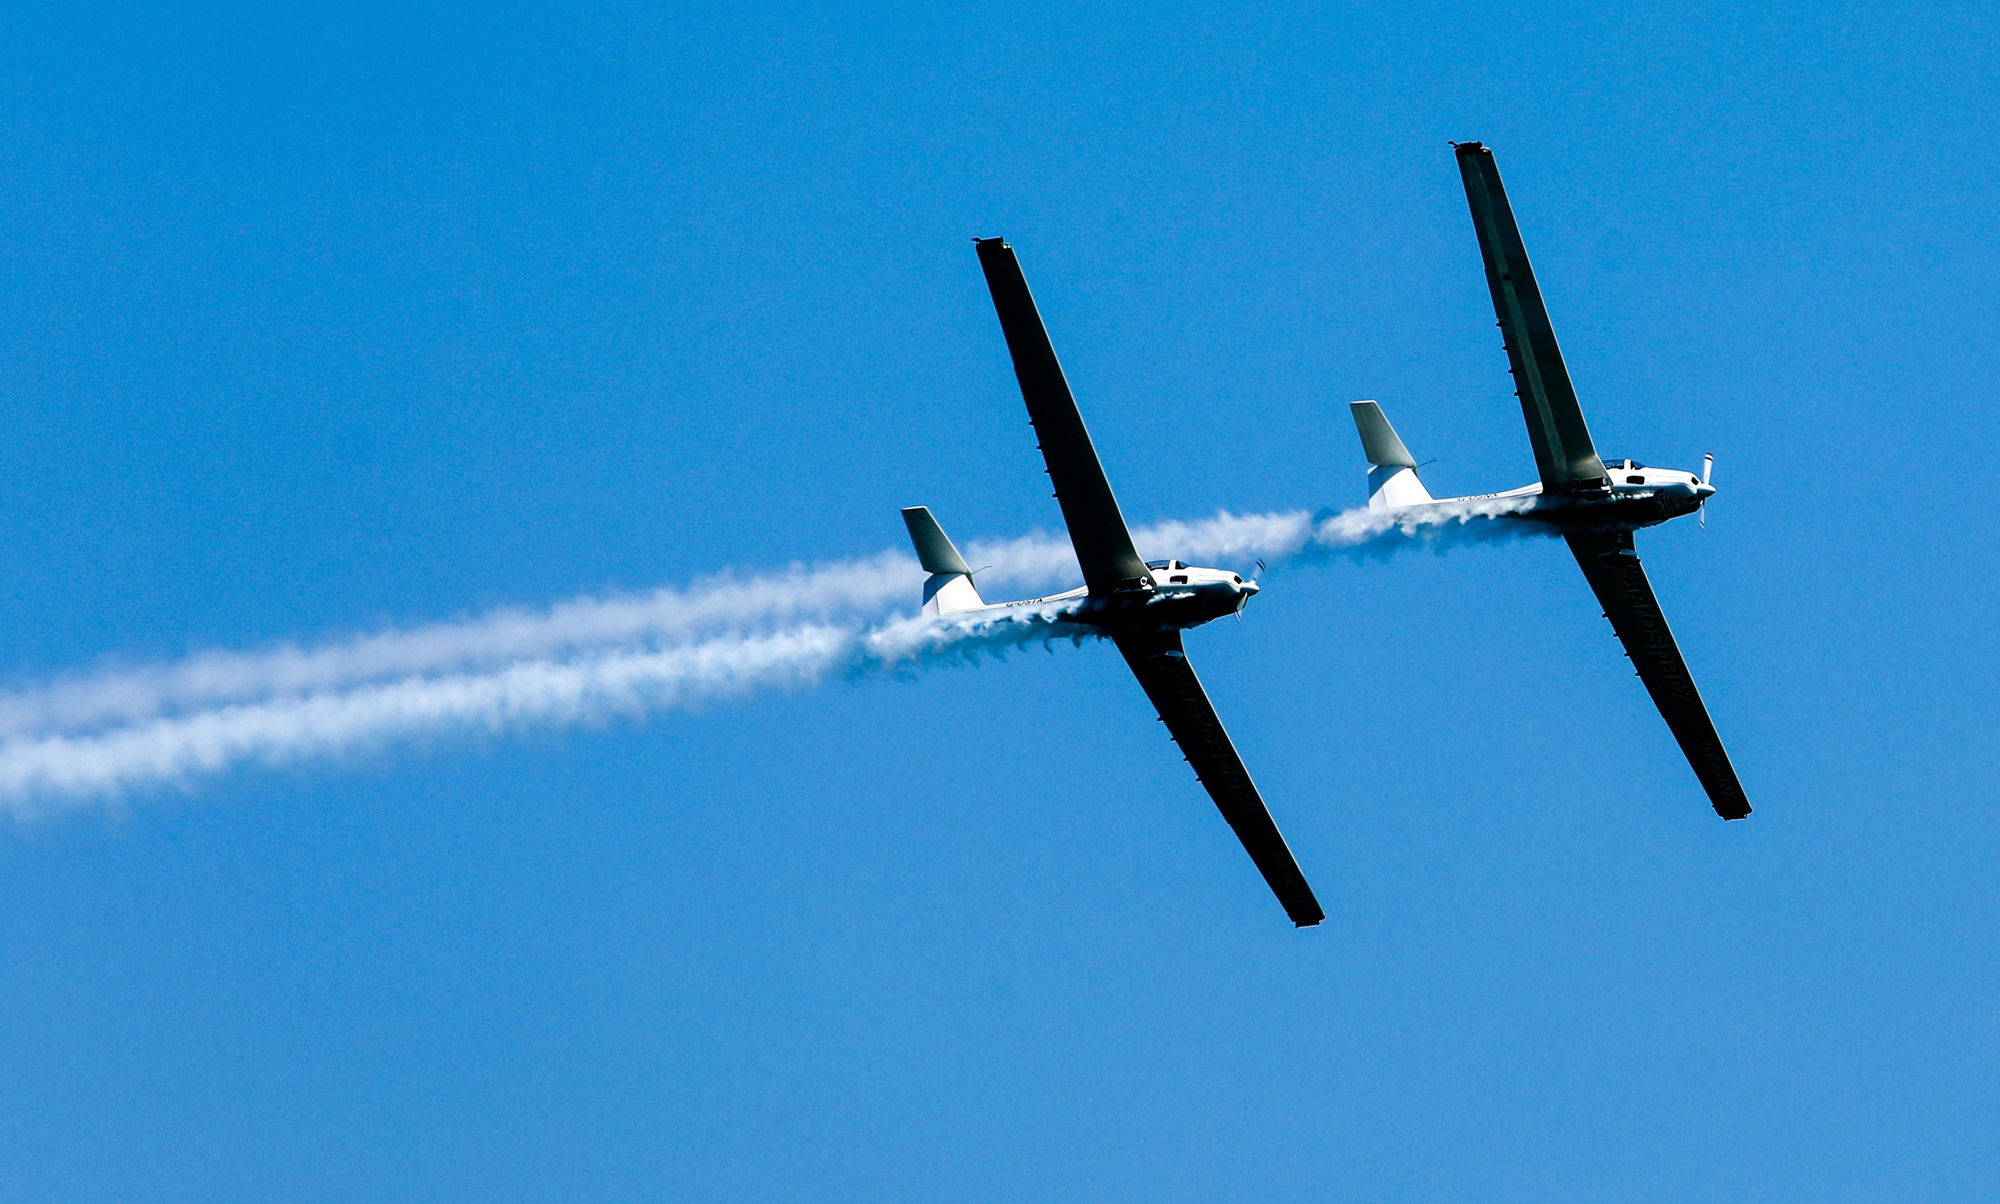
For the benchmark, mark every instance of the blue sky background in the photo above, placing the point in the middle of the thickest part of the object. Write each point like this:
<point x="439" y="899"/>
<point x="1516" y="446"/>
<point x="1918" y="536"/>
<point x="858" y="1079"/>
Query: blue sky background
<point x="316" y="323"/>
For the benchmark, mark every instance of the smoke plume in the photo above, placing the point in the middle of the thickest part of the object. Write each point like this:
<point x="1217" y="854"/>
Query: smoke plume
<point x="595" y="658"/>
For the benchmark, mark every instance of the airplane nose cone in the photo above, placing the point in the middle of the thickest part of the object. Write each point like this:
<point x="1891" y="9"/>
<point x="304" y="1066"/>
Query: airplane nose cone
<point x="1704" y="491"/>
<point x="1248" y="588"/>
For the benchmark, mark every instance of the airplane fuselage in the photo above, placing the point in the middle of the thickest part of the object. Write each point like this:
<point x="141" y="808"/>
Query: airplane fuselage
<point x="1637" y="496"/>
<point x="1178" y="597"/>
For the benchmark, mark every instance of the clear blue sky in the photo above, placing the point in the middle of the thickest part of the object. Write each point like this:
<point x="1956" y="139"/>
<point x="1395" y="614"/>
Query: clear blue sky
<point x="314" y="324"/>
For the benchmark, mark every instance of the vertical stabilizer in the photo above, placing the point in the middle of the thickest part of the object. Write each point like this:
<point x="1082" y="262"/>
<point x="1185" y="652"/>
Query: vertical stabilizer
<point x="1392" y="471"/>
<point x="949" y="587"/>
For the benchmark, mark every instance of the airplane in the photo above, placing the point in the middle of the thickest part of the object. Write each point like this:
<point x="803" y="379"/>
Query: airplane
<point x="1596" y="504"/>
<point x="1141" y="606"/>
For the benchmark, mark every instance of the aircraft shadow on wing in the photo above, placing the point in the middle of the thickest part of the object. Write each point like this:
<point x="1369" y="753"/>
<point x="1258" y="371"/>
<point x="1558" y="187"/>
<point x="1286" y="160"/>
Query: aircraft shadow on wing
<point x="1141" y="606"/>
<point x="1596" y="504"/>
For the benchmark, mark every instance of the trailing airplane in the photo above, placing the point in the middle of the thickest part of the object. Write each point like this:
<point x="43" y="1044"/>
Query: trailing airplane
<point x="1596" y="504"/>
<point x="1141" y="606"/>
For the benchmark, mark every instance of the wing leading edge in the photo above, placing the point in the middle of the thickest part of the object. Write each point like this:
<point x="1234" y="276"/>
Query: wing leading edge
<point x="1564" y="454"/>
<point x="1612" y="567"/>
<point x="1161" y="665"/>
<point x="1096" y="526"/>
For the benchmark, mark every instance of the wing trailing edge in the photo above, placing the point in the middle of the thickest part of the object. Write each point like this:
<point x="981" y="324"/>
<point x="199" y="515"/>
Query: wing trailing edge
<point x="1096" y="526"/>
<point x="1161" y="665"/>
<point x="1564" y="454"/>
<point x="1611" y="565"/>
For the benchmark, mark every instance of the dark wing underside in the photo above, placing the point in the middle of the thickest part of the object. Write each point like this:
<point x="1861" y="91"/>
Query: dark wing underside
<point x="1615" y="575"/>
<point x="1564" y="454"/>
<point x="1096" y="527"/>
<point x="1161" y="666"/>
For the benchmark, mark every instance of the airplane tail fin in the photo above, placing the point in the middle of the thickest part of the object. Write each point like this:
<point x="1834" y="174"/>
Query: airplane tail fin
<point x="1392" y="471"/>
<point x="949" y="588"/>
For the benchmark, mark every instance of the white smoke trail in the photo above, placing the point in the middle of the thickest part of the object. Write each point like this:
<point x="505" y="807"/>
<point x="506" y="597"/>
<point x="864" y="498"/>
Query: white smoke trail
<point x="38" y="771"/>
<point x="285" y="729"/>
<point x="1364" y="534"/>
<point x="593" y="657"/>
<point x="725" y="602"/>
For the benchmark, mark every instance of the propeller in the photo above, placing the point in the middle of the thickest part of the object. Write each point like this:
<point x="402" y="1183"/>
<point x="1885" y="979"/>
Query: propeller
<point x="1707" y="471"/>
<point x="1239" y="612"/>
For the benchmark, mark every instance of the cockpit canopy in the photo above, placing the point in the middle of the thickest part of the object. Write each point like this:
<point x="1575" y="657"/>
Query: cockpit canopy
<point x="1169" y="565"/>
<point x="1621" y="465"/>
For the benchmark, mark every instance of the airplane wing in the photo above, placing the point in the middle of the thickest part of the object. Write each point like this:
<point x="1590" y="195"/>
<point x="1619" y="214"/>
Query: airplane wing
<point x="1161" y="666"/>
<point x="1612" y="568"/>
<point x="1564" y="454"/>
<point x="1096" y="527"/>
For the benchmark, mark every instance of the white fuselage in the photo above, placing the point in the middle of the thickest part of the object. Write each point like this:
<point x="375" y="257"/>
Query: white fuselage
<point x="1179" y="596"/>
<point x="1638" y="496"/>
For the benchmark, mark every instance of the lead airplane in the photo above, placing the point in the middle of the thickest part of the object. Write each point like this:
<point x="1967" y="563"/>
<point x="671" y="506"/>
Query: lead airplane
<point x="1141" y="606"/>
<point x="1597" y="505"/>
